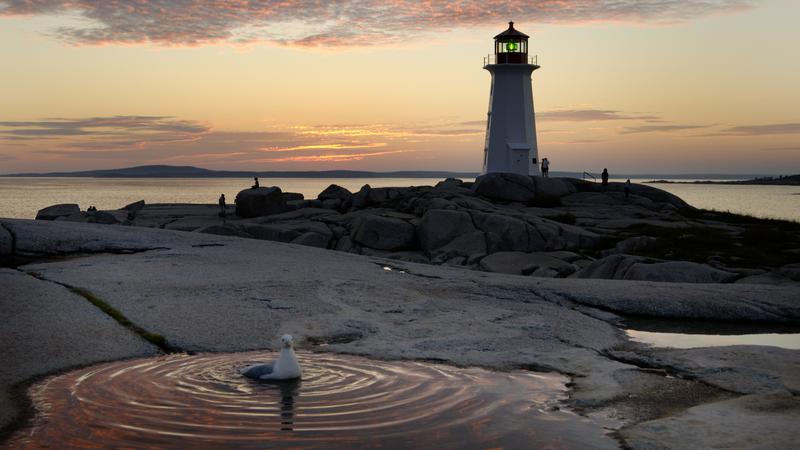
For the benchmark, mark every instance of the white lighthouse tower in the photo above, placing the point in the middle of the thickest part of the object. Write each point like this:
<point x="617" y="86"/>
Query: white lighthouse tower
<point x="510" y="127"/>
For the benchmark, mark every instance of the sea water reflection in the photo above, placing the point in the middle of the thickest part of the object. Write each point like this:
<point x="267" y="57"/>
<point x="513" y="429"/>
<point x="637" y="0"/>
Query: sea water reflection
<point x="200" y="401"/>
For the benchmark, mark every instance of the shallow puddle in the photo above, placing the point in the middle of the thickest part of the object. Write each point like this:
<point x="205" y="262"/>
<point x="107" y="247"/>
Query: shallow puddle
<point x="201" y="401"/>
<point x="691" y="334"/>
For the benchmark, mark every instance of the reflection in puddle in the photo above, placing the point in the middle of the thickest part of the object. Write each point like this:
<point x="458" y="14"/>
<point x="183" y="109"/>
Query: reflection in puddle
<point x="693" y="334"/>
<point x="183" y="401"/>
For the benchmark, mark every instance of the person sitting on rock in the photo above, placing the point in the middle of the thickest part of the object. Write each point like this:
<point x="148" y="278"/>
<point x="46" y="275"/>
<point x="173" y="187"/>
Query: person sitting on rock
<point x="222" y="205"/>
<point x="255" y="186"/>
<point x="627" y="188"/>
<point x="605" y="178"/>
<point x="545" y="168"/>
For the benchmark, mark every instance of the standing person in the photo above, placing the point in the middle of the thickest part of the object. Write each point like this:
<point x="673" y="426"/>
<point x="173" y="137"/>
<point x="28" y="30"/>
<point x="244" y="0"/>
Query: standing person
<point x="222" y="205"/>
<point x="627" y="188"/>
<point x="545" y="168"/>
<point x="605" y="178"/>
<point x="255" y="186"/>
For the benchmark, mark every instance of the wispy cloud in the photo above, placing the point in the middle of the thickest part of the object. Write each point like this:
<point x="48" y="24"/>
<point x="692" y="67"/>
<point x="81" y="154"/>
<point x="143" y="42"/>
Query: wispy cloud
<point x="343" y="23"/>
<point x="760" y="130"/>
<point x="103" y="133"/>
<point x="591" y="115"/>
<point x="330" y="157"/>
<point x="661" y="128"/>
<point x="324" y="147"/>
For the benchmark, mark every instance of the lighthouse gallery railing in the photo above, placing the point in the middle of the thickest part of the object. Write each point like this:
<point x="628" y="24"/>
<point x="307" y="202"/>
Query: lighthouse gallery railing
<point x="492" y="59"/>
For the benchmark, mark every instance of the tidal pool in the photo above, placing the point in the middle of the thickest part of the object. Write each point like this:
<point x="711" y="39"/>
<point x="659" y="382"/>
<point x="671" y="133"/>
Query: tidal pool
<point x="691" y="334"/>
<point x="200" y="401"/>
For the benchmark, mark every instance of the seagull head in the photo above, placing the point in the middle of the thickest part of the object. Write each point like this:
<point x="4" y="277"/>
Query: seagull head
<point x="287" y="341"/>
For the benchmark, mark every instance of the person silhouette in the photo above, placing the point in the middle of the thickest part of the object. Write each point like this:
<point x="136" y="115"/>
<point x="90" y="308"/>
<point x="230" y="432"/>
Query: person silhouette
<point x="627" y="188"/>
<point x="545" y="168"/>
<point x="255" y="186"/>
<point x="605" y="178"/>
<point x="222" y="205"/>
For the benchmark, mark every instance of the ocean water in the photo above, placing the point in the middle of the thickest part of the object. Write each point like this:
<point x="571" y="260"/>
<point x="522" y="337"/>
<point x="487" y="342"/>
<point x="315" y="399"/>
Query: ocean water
<point x="23" y="197"/>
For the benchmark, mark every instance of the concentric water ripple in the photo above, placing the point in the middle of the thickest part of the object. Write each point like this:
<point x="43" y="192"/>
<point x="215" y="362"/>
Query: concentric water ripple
<point x="201" y="401"/>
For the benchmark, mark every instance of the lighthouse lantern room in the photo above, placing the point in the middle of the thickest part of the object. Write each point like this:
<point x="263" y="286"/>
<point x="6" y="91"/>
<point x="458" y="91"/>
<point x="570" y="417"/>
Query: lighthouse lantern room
<point x="510" y="127"/>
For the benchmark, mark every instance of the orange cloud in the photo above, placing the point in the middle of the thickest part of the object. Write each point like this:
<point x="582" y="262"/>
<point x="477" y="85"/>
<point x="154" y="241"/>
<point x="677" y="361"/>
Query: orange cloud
<point x="338" y="157"/>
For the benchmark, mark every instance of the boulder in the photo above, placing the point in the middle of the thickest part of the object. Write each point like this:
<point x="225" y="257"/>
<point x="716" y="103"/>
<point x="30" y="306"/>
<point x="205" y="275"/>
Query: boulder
<point x="332" y="203"/>
<point x="519" y="263"/>
<point x="506" y="187"/>
<point x="56" y="211"/>
<point x="6" y="245"/>
<point x="611" y="267"/>
<point x="630" y="245"/>
<point x="550" y="190"/>
<point x="312" y="239"/>
<point x="261" y="201"/>
<point x="439" y="227"/>
<point x="384" y="233"/>
<point x="292" y="196"/>
<point x="465" y="245"/>
<point x="102" y="217"/>
<point x="627" y="267"/>
<point x="450" y="184"/>
<point x="361" y="198"/>
<point x="678" y="272"/>
<point x="334" y="192"/>
<point x="134" y="207"/>
<point x="508" y="233"/>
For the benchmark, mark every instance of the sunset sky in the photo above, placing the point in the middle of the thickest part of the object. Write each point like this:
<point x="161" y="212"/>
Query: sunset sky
<point x="656" y="86"/>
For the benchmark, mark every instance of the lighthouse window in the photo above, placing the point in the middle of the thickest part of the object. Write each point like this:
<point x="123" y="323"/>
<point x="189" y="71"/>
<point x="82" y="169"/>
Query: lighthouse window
<point x="512" y="47"/>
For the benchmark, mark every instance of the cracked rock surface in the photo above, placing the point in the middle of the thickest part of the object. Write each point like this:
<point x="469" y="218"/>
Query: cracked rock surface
<point x="220" y="293"/>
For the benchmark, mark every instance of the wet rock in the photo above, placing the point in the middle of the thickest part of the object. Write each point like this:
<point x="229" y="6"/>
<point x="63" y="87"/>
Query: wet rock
<point x="384" y="233"/>
<point x="334" y="192"/>
<point x="440" y="227"/>
<point x="507" y="187"/>
<point x="56" y="211"/>
<point x="261" y="201"/>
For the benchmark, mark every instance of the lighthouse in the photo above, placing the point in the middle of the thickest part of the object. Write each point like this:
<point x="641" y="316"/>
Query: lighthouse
<point x="510" y="126"/>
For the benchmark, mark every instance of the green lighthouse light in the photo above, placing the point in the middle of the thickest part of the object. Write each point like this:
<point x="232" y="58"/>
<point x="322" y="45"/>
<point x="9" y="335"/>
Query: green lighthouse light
<point x="511" y="47"/>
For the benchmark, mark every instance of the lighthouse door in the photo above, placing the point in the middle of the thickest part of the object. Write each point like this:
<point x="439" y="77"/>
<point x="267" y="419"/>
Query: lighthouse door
<point x="519" y="158"/>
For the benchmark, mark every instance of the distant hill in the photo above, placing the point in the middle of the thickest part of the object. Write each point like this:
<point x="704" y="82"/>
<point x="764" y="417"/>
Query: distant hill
<point x="787" y="180"/>
<point x="162" y="171"/>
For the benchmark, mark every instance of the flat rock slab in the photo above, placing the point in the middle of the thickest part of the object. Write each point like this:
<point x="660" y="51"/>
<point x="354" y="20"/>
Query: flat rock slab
<point x="47" y="328"/>
<point x="749" y="422"/>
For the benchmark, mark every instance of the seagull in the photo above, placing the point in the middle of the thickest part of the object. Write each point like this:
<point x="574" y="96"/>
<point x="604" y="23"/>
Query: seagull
<point x="285" y="367"/>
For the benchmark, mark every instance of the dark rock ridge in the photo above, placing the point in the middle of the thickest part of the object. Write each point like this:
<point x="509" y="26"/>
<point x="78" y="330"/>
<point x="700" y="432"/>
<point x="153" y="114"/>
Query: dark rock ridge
<point x="544" y="227"/>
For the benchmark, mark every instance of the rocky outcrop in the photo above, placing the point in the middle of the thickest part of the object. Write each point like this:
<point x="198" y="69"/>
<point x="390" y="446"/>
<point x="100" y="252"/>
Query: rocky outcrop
<point x="334" y="192"/>
<point x="627" y="267"/>
<point x="260" y="201"/>
<point x="56" y="211"/>
<point x="505" y="187"/>
<point x="384" y="233"/>
<point x="550" y="190"/>
<point x="519" y="263"/>
<point x="440" y="227"/>
<point x="134" y="207"/>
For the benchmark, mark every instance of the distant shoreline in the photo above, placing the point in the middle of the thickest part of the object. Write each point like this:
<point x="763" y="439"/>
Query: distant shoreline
<point x="165" y="171"/>
<point x="791" y="180"/>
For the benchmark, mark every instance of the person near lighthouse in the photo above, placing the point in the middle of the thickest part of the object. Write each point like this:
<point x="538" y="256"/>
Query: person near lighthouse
<point x="545" y="168"/>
